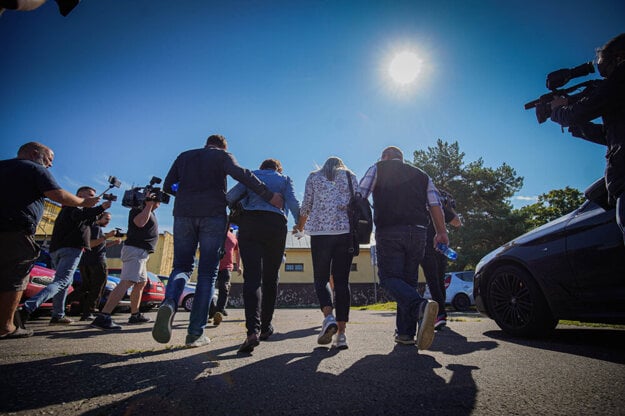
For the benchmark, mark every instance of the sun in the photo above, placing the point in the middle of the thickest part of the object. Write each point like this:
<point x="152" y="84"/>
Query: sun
<point x="405" y="67"/>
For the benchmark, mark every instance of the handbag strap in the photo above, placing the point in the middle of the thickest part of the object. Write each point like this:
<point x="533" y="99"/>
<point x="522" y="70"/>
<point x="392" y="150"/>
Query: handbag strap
<point x="349" y="183"/>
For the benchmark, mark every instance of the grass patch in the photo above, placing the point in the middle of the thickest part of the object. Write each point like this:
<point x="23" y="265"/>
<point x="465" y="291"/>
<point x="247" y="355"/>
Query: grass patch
<point x="590" y="324"/>
<point x="386" y="306"/>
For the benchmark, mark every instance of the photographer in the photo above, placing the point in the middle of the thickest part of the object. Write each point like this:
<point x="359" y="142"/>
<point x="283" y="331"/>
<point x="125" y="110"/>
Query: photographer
<point x="19" y="215"/>
<point x="141" y="241"/>
<point x="607" y="101"/>
<point x="70" y="238"/>
<point x="92" y="266"/>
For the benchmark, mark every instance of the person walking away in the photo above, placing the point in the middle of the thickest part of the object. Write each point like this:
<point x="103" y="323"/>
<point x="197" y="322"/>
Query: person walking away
<point x="229" y="262"/>
<point x="197" y="179"/>
<point x="324" y="216"/>
<point x="262" y="237"/>
<point x="402" y="194"/>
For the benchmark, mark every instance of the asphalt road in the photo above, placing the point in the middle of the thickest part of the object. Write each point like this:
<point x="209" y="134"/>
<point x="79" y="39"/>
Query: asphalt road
<point x="472" y="368"/>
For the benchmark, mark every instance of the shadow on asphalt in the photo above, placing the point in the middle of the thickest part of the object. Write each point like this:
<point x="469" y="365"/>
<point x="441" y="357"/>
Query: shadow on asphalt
<point x="599" y="343"/>
<point x="400" y="382"/>
<point x="450" y="342"/>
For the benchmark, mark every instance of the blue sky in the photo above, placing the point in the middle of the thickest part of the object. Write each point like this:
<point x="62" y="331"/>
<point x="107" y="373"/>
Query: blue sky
<point x="122" y="87"/>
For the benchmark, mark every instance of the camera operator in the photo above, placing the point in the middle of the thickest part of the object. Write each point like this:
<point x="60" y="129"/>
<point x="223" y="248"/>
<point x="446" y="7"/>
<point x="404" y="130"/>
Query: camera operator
<point x="92" y="266"/>
<point x="70" y="238"/>
<point x="607" y="101"/>
<point x="141" y="240"/>
<point x="20" y="213"/>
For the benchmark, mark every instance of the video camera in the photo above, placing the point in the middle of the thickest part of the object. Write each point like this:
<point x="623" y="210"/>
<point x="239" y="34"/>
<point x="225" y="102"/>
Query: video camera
<point x="558" y="79"/>
<point x="118" y="233"/>
<point x="136" y="197"/>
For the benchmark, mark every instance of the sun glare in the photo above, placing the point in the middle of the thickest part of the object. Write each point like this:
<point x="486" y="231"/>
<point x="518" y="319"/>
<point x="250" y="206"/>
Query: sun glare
<point x="405" y="67"/>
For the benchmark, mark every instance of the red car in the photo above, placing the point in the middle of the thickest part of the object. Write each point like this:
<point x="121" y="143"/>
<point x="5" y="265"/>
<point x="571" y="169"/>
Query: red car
<point x="40" y="277"/>
<point x="153" y="292"/>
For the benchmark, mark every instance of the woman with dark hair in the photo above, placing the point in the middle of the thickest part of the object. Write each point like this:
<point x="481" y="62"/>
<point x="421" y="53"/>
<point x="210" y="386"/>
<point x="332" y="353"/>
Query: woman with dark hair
<point x="324" y="216"/>
<point x="262" y="236"/>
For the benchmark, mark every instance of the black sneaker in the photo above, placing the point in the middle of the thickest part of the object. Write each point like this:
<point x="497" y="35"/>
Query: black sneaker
<point x="138" y="318"/>
<point x="264" y="335"/>
<point x="105" y="322"/>
<point x="224" y="313"/>
<point x="87" y="317"/>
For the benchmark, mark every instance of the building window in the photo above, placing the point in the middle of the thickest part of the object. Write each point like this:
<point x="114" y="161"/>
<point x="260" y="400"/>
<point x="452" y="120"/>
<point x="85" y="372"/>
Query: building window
<point x="354" y="267"/>
<point x="294" y="267"/>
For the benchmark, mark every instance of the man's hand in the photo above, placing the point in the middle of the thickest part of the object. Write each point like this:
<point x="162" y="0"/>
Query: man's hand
<point x="110" y="234"/>
<point x="106" y="204"/>
<point x="558" y="102"/>
<point x="441" y="238"/>
<point x="91" y="202"/>
<point x="277" y="200"/>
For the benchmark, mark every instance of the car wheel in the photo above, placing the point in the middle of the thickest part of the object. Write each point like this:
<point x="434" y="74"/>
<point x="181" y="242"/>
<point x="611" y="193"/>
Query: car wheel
<point x="517" y="304"/>
<point x="461" y="302"/>
<point x="187" y="303"/>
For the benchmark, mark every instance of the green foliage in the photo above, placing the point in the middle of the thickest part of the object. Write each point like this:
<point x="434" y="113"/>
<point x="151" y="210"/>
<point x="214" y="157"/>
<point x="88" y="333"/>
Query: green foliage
<point x="551" y="205"/>
<point x="481" y="194"/>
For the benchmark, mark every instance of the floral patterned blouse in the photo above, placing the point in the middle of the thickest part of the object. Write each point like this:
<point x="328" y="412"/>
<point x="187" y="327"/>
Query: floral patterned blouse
<point x="325" y="203"/>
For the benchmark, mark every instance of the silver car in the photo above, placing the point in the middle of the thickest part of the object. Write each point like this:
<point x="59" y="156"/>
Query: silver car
<point x="188" y="293"/>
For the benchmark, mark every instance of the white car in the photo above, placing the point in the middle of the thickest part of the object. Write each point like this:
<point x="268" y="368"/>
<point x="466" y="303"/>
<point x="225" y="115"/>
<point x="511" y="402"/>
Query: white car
<point x="188" y="293"/>
<point x="459" y="289"/>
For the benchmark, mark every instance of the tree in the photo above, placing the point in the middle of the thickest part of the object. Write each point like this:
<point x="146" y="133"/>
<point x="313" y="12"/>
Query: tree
<point x="551" y="205"/>
<point x="482" y="199"/>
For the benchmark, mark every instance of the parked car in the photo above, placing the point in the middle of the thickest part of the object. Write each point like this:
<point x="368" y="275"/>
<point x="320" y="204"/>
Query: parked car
<point x="188" y="293"/>
<point x="39" y="278"/>
<point x="570" y="268"/>
<point x="459" y="290"/>
<point x="153" y="292"/>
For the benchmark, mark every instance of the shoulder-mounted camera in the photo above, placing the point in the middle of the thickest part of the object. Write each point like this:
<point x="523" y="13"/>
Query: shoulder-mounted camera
<point x="136" y="197"/>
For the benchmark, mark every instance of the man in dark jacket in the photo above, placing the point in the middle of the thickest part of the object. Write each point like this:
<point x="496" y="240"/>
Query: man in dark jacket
<point x="607" y="101"/>
<point x="70" y="237"/>
<point x="198" y="180"/>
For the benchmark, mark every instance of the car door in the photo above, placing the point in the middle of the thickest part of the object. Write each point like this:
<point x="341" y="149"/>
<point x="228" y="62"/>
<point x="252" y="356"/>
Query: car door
<point x="596" y="253"/>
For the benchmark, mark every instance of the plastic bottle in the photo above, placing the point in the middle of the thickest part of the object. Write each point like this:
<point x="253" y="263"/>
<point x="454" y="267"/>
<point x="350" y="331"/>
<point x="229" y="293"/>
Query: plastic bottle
<point x="447" y="252"/>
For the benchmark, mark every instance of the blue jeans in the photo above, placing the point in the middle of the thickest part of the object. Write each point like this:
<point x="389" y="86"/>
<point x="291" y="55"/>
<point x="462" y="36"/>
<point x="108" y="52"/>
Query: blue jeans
<point x="209" y="233"/>
<point x="400" y="249"/>
<point x="65" y="261"/>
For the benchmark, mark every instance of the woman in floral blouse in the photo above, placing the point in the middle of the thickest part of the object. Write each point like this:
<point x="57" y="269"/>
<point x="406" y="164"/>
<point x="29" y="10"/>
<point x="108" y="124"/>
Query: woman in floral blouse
<point x="323" y="215"/>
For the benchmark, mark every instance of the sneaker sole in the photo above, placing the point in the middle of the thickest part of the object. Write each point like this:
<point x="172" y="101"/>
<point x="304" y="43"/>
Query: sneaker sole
<point x="162" y="327"/>
<point x="326" y="337"/>
<point x="115" y="328"/>
<point x="425" y="335"/>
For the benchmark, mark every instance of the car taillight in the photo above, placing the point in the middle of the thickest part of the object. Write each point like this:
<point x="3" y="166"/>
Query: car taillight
<point x="447" y="281"/>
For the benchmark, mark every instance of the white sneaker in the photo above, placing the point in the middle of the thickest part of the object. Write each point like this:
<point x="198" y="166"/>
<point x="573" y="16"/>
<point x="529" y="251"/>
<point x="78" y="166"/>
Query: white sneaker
<point x="328" y="329"/>
<point x="193" y="341"/>
<point x="341" y="342"/>
<point x="425" y="333"/>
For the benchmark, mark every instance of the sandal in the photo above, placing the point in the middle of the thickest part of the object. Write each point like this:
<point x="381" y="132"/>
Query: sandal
<point x="18" y="333"/>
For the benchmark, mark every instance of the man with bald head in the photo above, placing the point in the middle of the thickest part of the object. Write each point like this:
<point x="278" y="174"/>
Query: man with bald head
<point x="27" y="181"/>
<point x="404" y="199"/>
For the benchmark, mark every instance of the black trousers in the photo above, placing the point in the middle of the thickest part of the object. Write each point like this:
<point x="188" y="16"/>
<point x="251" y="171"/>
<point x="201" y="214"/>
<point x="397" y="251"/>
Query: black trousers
<point x="93" y="280"/>
<point x="262" y="236"/>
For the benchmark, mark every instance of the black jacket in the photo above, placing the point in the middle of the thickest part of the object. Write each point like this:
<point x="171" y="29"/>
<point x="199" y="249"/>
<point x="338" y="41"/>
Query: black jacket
<point x="608" y="102"/>
<point x="72" y="227"/>
<point x="201" y="178"/>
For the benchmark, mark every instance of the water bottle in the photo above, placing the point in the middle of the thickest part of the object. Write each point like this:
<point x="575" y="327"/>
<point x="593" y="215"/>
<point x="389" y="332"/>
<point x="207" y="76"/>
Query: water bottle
<point x="448" y="252"/>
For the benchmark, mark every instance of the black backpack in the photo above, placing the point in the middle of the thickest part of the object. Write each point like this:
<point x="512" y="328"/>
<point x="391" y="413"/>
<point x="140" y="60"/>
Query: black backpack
<point x="360" y="216"/>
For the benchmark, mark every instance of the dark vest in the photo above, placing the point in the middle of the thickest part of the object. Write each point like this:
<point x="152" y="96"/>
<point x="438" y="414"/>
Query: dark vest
<point x="400" y="195"/>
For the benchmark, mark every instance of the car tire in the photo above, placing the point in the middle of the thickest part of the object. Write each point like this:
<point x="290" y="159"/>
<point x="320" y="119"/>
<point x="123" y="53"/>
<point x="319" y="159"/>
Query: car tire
<point x="461" y="302"/>
<point x="187" y="303"/>
<point x="517" y="304"/>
